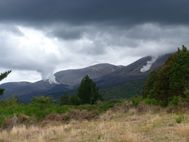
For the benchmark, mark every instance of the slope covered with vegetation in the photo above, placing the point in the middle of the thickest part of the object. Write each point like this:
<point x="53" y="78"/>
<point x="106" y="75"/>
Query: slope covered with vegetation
<point x="170" y="81"/>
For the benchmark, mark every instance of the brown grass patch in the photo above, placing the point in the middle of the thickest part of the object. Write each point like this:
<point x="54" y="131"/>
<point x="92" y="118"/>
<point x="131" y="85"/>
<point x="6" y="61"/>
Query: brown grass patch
<point x="122" y="123"/>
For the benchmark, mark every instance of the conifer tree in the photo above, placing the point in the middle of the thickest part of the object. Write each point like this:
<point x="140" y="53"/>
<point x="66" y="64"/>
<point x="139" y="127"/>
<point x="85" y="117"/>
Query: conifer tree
<point x="88" y="92"/>
<point x="170" y="80"/>
<point x="2" y="76"/>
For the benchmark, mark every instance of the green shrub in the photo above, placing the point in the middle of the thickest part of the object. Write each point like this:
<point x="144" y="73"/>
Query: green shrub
<point x="42" y="100"/>
<point x="186" y="93"/>
<point x="179" y="118"/>
<point x="175" y="101"/>
<point x="74" y="100"/>
<point x="151" y="101"/>
<point x="65" y="100"/>
<point x="136" y="100"/>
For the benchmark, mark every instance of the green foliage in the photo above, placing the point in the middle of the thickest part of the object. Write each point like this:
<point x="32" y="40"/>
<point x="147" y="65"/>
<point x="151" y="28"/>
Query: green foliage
<point x="175" y="101"/>
<point x="172" y="79"/>
<point x="121" y="91"/>
<point x="41" y="107"/>
<point x="136" y="100"/>
<point x="74" y="100"/>
<point x="186" y="93"/>
<point x="42" y="100"/>
<point x="150" y="101"/>
<point x="88" y="92"/>
<point x="2" y="76"/>
<point x="69" y="100"/>
<point x="124" y="90"/>
<point x="36" y="110"/>
<point x="65" y="100"/>
<point x="179" y="118"/>
<point x="101" y="107"/>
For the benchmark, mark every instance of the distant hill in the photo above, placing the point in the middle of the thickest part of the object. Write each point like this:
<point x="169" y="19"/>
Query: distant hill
<point x="73" y="77"/>
<point x="113" y="81"/>
<point x="26" y="91"/>
<point x="129" y="80"/>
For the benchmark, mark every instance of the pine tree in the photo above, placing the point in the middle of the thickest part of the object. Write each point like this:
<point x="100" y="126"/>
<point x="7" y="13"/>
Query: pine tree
<point x="88" y="92"/>
<point x="170" y="80"/>
<point x="2" y="76"/>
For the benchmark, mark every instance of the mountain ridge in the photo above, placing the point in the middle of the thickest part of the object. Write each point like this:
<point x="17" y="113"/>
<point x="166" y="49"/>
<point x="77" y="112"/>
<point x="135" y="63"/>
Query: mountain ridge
<point x="107" y="76"/>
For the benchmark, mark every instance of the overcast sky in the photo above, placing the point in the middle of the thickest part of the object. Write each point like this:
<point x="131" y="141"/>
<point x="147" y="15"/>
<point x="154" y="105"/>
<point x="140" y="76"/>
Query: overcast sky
<point x="40" y="37"/>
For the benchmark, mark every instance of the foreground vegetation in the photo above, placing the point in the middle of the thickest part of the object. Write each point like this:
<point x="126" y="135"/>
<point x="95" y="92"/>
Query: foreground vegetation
<point x="122" y="123"/>
<point x="161" y="114"/>
<point x="41" y="107"/>
<point x="171" y="80"/>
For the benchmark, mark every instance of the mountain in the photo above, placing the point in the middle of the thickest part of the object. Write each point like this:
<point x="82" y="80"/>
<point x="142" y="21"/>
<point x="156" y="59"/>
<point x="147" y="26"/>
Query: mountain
<point x="124" y="74"/>
<point x="113" y="81"/>
<point x="67" y="80"/>
<point x="73" y="77"/>
<point x="129" y="80"/>
<point x="26" y="91"/>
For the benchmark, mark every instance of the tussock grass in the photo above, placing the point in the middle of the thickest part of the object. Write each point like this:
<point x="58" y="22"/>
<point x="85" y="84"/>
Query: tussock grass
<point x="120" y="124"/>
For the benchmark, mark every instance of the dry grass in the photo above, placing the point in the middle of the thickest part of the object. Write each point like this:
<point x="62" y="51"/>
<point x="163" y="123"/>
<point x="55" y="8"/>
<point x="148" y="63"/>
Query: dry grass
<point x="113" y="126"/>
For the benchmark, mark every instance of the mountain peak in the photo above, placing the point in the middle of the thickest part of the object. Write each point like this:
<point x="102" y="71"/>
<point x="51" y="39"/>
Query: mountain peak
<point x="73" y="77"/>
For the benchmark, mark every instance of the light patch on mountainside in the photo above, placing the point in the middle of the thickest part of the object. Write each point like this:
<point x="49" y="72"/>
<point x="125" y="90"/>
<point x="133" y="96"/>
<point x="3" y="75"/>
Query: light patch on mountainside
<point x="148" y="65"/>
<point x="52" y="79"/>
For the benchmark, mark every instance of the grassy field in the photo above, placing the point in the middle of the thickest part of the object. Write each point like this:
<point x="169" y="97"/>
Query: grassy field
<point x="122" y="123"/>
<point x="37" y="111"/>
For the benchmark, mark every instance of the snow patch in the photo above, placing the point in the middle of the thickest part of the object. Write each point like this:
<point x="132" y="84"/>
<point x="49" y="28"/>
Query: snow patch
<point x="148" y="65"/>
<point x="52" y="79"/>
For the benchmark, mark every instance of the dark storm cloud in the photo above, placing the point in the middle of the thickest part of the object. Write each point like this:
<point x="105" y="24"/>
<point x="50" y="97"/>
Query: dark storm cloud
<point x="65" y="32"/>
<point x="96" y="11"/>
<point x="50" y="35"/>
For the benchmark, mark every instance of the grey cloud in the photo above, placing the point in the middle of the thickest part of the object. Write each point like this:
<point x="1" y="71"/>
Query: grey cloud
<point x="96" y="44"/>
<point x="115" y="12"/>
<point x="75" y="33"/>
<point x="65" y="32"/>
<point x="15" y="56"/>
<point x="10" y="28"/>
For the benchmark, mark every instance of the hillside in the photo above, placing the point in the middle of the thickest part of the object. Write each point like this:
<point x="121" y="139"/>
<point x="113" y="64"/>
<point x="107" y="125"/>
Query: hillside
<point x="171" y="80"/>
<point x="73" y="77"/>
<point x="124" y="81"/>
<point x="129" y="81"/>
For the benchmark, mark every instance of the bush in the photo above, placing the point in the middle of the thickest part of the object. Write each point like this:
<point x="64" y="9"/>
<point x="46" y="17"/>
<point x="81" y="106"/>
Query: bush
<point x="179" y="118"/>
<point x="175" y="101"/>
<point x="42" y="100"/>
<point x="75" y="100"/>
<point x="65" y="100"/>
<point x="136" y="101"/>
<point x="151" y="101"/>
